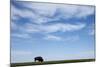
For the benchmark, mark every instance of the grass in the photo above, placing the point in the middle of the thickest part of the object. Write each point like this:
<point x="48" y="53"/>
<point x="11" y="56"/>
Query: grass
<point x="50" y="62"/>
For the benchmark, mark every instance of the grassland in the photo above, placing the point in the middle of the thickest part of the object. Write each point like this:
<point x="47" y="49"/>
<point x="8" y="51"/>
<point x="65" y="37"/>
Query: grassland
<point x="50" y="62"/>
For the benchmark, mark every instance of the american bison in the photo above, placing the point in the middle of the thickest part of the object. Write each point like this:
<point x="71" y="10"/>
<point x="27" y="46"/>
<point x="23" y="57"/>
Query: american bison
<point x="38" y="59"/>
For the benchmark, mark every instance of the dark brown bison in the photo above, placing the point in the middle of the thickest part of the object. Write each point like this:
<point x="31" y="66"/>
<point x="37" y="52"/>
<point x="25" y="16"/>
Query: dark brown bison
<point x="38" y="59"/>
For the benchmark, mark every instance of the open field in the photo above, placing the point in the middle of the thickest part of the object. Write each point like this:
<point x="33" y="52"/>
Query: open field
<point x="50" y="62"/>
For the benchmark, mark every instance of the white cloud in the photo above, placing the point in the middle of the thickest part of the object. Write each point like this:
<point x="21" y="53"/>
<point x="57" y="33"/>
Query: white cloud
<point x="52" y="37"/>
<point x="52" y="28"/>
<point x="20" y="35"/>
<point x="62" y="27"/>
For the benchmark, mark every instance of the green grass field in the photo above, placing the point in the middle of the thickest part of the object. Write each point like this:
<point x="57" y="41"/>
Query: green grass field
<point x="50" y="62"/>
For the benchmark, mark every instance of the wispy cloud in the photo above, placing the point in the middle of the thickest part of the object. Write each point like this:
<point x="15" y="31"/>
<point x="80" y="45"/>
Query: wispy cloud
<point x="62" y="27"/>
<point x="21" y="35"/>
<point x="51" y="28"/>
<point x="52" y="37"/>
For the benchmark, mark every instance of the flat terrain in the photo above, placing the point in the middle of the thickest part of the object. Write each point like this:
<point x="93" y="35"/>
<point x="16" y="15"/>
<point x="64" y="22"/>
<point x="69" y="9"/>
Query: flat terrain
<point x="50" y="62"/>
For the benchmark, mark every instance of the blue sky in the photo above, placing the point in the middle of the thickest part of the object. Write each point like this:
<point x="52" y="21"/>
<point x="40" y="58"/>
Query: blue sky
<point x="53" y="31"/>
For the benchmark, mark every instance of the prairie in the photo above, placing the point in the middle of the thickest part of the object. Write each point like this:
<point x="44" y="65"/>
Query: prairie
<point x="50" y="62"/>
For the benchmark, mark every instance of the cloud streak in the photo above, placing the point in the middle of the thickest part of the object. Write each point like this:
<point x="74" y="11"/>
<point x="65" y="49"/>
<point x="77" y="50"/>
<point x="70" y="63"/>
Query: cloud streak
<point x="21" y="35"/>
<point x="59" y="27"/>
<point x="52" y="37"/>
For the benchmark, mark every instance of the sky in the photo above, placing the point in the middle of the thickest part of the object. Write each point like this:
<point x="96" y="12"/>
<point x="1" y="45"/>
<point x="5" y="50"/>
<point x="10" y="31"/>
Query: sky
<point x="53" y="31"/>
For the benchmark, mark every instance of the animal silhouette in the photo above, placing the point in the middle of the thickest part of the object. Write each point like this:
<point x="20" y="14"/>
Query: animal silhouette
<point x="38" y="59"/>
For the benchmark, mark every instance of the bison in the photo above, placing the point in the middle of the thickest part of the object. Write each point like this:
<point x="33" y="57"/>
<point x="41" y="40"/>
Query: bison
<point x="38" y="59"/>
